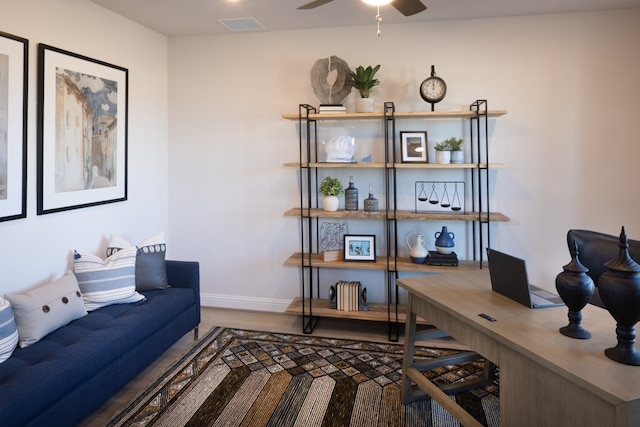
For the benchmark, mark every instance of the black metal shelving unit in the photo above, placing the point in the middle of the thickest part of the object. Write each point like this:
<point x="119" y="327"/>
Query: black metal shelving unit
<point x="309" y="200"/>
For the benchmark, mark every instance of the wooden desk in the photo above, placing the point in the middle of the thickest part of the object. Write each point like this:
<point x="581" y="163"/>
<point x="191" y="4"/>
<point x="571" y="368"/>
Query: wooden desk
<point x="546" y="378"/>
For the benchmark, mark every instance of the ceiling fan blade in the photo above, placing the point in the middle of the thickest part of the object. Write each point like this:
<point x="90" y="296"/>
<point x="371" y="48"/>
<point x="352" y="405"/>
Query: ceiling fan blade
<point x="314" y="4"/>
<point x="408" y="7"/>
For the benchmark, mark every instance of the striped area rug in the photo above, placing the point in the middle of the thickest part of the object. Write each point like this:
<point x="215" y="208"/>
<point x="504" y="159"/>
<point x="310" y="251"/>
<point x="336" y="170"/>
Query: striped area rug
<point x="236" y="377"/>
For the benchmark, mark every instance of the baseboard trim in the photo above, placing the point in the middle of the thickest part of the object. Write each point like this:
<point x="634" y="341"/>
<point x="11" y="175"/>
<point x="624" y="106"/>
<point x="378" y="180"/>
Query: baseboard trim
<point x="244" y="303"/>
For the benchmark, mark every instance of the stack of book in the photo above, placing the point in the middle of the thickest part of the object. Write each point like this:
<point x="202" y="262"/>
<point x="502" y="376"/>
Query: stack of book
<point x="332" y="108"/>
<point x="436" y="258"/>
<point x="348" y="296"/>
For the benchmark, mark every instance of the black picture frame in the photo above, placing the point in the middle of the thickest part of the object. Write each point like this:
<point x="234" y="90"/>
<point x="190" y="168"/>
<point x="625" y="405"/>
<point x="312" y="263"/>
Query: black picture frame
<point x="414" y="147"/>
<point x="14" y="72"/>
<point x="360" y="247"/>
<point x="82" y="131"/>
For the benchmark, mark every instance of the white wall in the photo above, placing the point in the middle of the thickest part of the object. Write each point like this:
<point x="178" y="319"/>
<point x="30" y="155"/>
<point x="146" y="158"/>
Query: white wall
<point x="38" y="249"/>
<point x="569" y="83"/>
<point x="570" y="145"/>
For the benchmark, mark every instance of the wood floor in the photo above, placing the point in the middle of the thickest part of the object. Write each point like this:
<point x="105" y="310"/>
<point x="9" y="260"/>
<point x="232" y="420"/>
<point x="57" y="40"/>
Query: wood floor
<point x="262" y="321"/>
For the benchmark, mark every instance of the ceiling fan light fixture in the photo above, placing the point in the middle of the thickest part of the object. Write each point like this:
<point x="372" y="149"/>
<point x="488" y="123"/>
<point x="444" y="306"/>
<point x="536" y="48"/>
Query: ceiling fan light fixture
<point x="377" y="2"/>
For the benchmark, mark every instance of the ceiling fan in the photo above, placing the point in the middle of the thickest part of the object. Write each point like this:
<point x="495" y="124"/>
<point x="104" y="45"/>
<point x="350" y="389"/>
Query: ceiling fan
<point x="406" y="7"/>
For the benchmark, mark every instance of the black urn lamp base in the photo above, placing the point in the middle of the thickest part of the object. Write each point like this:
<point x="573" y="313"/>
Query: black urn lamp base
<point x="575" y="288"/>
<point x="628" y="356"/>
<point x="625" y="351"/>
<point x="575" y="331"/>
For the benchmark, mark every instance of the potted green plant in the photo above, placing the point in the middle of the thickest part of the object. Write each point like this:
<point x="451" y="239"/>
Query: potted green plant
<point x="363" y="80"/>
<point x="457" y="155"/>
<point x="330" y="188"/>
<point x="443" y="152"/>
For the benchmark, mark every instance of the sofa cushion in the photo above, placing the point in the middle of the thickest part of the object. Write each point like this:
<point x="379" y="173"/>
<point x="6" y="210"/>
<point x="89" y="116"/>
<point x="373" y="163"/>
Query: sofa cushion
<point x="109" y="281"/>
<point x="151" y="271"/>
<point x="8" y="330"/>
<point x="46" y="308"/>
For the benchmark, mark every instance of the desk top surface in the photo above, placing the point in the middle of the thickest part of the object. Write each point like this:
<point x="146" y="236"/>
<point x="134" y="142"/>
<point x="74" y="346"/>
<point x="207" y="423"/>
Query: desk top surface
<point x="533" y="332"/>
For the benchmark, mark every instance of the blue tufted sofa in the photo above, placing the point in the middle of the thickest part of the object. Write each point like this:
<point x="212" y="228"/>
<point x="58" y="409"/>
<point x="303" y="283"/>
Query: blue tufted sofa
<point x="68" y="374"/>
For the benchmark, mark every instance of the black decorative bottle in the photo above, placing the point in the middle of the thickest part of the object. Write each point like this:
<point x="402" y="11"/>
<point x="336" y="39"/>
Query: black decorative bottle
<point x="576" y="288"/>
<point x="619" y="289"/>
<point x="351" y="197"/>
<point x="371" y="203"/>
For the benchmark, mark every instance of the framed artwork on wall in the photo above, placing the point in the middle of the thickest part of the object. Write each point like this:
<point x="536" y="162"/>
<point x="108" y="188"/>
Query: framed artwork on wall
<point x="414" y="147"/>
<point x="82" y="131"/>
<point x="360" y="247"/>
<point x="14" y="61"/>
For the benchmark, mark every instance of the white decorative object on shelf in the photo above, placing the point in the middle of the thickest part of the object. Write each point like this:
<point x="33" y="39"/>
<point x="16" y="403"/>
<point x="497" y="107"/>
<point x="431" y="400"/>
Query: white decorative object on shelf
<point x="330" y="203"/>
<point x="443" y="157"/>
<point x="364" y="105"/>
<point x="457" y="157"/>
<point x="341" y="149"/>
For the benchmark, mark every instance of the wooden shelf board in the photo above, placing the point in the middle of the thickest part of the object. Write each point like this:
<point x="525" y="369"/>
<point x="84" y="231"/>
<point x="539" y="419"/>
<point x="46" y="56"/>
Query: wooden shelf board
<point x="321" y="213"/>
<point x="296" y="165"/>
<point x="448" y="166"/>
<point x="318" y="261"/>
<point x="404" y="264"/>
<point x="401" y="214"/>
<point x="377" y="312"/>
<point x="398" y="115"/>
<point x="467" y="216"/>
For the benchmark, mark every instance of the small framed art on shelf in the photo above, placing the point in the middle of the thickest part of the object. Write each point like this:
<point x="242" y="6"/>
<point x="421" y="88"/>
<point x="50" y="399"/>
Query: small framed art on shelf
<point x="414" y="147"/>
<point x="360" y="247"/>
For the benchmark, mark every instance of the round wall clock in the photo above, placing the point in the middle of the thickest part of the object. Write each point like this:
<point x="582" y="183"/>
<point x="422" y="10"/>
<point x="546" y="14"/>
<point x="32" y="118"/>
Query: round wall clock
<point x="433" y="89"/>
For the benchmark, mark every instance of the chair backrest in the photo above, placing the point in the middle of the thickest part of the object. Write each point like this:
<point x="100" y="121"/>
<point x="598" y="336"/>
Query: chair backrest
<point x="594" y="249"/>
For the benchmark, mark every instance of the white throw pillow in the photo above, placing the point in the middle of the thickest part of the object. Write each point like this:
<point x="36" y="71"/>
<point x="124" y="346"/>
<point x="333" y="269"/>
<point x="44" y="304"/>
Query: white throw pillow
<point x="109" y="281"/>
<point x="46" y="308"/>
<point x="8" y="330"/>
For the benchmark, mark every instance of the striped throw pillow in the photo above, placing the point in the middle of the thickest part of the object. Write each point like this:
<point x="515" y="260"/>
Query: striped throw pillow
<point x="109" y="281"/>
<point x="8" y="330"/>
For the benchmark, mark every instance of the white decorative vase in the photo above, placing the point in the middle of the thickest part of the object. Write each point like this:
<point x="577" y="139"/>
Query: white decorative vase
<point x="364" y="105"/>
<point x="443" y="157"/>
<point x="457" y="157"/>
<point x="330" y="203"/>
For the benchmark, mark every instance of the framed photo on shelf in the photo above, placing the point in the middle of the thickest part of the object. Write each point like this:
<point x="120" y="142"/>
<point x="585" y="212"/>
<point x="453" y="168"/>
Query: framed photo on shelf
<point x="414" y="147"/>
<point x="360" y="247"/>
<point x="14" y="69"/>
<point x="82" y="131"/>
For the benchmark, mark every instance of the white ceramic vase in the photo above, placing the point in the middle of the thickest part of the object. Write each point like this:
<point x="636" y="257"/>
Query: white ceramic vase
<point x="457" y="157"/>
<point x="364" y="105"/>
<point x="330" y="203"/>
<point x="443" y="157"/>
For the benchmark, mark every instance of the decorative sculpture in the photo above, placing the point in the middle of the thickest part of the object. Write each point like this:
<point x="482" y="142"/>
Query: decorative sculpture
<point x="329" y="77"/>
<point x="576" y="288"/>
<point x="619" y="289"/>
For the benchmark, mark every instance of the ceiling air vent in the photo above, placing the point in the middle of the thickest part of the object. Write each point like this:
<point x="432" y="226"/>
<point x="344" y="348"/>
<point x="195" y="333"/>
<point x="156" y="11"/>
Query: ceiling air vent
<point x="242" y="24"/>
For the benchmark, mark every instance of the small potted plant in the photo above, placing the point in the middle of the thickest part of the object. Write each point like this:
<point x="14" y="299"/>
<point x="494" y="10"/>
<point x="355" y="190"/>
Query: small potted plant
<point x="330" y="188"/>
<point x="457" y="155"/>
<point x="443" y="152"/>
<point x="363" y="80"/>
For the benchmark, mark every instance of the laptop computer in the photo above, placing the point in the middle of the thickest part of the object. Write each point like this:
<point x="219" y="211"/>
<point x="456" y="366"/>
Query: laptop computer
<point x="509" y="278"/>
